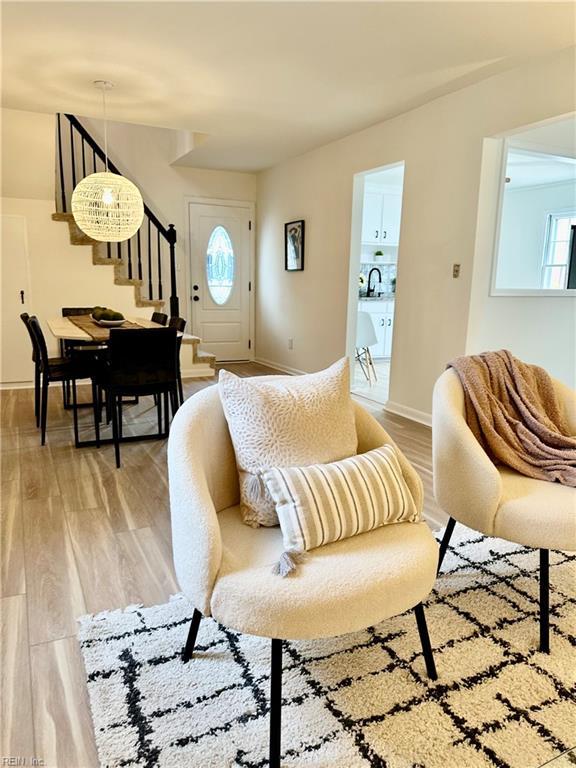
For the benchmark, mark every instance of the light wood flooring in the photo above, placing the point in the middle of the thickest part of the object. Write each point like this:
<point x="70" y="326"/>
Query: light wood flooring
<point x="372" y="390"/>
<point x="79" y="536"/>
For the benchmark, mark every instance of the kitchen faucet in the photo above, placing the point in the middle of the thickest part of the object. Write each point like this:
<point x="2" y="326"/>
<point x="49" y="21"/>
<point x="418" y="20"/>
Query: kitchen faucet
<point x="370" y="290"/>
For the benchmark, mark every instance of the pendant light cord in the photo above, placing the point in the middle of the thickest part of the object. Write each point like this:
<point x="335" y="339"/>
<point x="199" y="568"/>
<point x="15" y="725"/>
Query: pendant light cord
<point x="105" y="126"/>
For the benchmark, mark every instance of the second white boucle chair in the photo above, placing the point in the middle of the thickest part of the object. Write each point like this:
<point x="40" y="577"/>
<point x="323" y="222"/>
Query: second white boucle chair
<point x="498" y="501"/>
<point x="225" y="567"/>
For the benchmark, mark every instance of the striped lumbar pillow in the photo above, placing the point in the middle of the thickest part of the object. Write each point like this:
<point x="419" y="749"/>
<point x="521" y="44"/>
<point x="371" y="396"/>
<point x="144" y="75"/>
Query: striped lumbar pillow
<point x="322" y="503"/>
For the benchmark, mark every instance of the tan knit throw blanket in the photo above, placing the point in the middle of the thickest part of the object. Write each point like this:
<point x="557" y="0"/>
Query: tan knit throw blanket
<point x="513" y="410"/>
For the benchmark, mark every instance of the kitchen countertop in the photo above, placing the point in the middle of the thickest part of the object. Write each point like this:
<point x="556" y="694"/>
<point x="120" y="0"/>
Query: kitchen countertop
<point x="382" y="297"/>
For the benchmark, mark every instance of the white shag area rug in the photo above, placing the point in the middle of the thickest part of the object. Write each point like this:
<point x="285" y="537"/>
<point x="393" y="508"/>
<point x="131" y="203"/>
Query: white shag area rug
<point x="357" y="700"/>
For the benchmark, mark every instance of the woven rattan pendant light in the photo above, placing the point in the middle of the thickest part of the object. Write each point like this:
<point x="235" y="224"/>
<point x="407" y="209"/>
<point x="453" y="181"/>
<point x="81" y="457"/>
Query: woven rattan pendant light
<point x="107" y="206"/>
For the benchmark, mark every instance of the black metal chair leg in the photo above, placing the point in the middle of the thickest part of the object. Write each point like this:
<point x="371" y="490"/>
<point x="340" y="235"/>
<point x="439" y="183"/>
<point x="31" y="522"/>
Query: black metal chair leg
<point x="188" y="649"/>
<point x="425" y="640"/>
<point x="159" y="412"/>
<point x="166" y="414"/>
<point x="445" y="541"/>
<point x="545" y="601"/>
<point x="44" y="407"/>
<point x="37" y="393"/>
<point x="96" y="406"/>
<point x="114" y="409"/>
<point x="275" y="704"/>
<point x="75" y="413"/>
<point x="180" y="390"/>
<point x="174" y="401"/>
<point x="120" y="424"/>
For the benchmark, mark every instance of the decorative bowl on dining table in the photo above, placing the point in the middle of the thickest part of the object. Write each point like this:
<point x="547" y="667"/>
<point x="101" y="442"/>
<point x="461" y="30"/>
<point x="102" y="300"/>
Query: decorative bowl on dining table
<point x="108" y="318"/>
<point x="109" y="323"/>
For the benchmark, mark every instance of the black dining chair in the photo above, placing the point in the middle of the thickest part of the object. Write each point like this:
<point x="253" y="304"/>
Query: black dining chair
<point x="159" y="317"/>
<point x="59" y="369"/>
<point x="25" y="317"/>
<point x="67" y="345"/>
<point x="180" y="324"/>
<point x="141" y="361"/>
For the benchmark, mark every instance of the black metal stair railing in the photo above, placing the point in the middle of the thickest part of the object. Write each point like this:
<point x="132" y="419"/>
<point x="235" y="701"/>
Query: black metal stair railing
<point x="148" y="251"/>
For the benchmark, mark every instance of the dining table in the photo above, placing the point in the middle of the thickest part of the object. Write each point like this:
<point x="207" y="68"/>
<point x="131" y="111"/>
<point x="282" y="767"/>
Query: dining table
<point x="63" y="328"/>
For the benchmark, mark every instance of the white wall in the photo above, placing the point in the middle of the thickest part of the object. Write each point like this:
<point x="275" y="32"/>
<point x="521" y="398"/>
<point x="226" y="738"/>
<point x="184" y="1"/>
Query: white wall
<point x="28" y="155"/>
<point x="523" y="232"/>
<point x="441" y="144"/>
<point x="61" y="274"/>
<point x="537" y="329"/>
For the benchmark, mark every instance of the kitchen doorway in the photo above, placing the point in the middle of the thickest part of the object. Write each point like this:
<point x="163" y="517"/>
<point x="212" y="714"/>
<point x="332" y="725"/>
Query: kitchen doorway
<point x="376" y="219"/>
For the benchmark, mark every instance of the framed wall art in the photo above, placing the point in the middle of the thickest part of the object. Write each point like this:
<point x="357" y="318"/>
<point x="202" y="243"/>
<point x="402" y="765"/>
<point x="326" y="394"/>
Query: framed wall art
<point x="294" y="246"/>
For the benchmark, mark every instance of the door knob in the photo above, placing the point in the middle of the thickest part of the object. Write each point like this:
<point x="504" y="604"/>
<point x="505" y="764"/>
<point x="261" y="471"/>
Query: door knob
<point x="196" y="298"/>
<point x="195" y="287"/>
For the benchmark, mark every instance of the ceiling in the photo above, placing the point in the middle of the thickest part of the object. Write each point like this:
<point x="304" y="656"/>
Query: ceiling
<point x="554" y="137"/>
<point x="529" y="169"/>
<point x="265" y="81"/>
<point x="544" y="154"/>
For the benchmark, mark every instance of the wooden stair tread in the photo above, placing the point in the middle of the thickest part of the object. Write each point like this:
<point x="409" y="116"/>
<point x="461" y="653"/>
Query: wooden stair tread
<point x="204" y="357"/>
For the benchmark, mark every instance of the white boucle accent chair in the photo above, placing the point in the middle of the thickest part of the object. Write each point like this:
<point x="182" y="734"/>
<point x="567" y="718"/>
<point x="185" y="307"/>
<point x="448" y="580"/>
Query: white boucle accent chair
<point x="498" y="501"/>
<point x="225" y="568"/>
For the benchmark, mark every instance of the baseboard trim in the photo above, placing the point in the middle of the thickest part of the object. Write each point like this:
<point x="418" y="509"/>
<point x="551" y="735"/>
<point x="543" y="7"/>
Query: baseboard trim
<point x="409" y="413"/>
<point x="17" y="385"/>
<point x="279" y="366"/>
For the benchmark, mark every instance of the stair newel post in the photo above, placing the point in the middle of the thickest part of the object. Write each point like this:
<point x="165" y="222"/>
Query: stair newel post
<point x="174" y="301"/>
<point x="159" y="255"/>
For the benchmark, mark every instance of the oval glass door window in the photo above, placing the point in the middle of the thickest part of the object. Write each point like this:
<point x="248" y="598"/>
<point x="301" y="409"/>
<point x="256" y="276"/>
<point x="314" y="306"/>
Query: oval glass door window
<point x="220" y="262"/>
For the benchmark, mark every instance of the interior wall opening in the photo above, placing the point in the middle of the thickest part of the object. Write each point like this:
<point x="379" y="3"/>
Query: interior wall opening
<point x="376" y="218"/>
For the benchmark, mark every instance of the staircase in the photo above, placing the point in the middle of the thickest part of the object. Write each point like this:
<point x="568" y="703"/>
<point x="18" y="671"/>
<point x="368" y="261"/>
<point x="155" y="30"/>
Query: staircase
<point x="140" y="261"/>
<point x="100" y="258"/>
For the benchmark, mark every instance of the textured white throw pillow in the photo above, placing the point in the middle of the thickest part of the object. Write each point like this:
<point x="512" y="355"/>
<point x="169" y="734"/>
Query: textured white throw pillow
<point x="323" y="503"/>
<point x="283" y="422"/>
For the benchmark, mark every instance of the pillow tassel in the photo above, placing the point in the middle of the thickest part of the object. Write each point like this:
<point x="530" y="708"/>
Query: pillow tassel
<point x="287" y="563"/>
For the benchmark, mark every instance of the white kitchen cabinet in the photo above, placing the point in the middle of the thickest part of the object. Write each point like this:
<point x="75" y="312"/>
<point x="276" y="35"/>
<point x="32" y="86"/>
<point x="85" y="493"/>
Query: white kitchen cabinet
<point x="382" y="313"/>
<point x="391" y="213"/>
<point x="381" y="218"/>
<point x="372" y="217"/>
<point x="389" y="332"/>
<point x="379" y="320"/>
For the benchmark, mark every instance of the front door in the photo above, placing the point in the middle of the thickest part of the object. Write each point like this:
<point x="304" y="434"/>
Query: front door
<point x="220" y="247"/>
